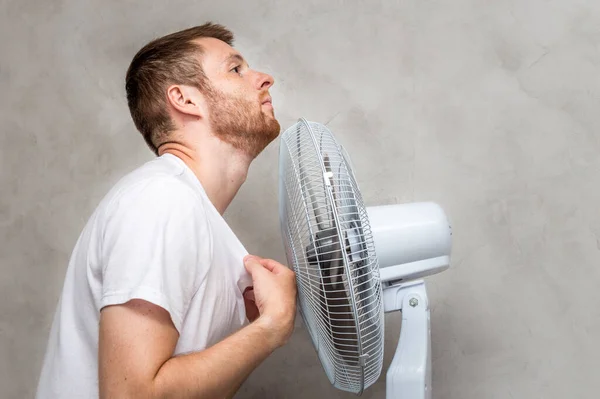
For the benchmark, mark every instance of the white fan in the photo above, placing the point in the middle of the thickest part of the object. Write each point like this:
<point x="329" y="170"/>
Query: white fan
<point x="353" y="263"/>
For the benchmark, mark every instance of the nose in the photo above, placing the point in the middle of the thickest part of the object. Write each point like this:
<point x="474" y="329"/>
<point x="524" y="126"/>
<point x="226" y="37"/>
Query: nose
<point x="264" y="81"/>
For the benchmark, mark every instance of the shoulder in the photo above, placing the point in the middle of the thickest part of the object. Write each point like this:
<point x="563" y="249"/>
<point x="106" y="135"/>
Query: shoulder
<point x="157" y="183"/>
<point x="156" y="201"/>
<point x="155" y="193"/>
<point x="160" y="214"/>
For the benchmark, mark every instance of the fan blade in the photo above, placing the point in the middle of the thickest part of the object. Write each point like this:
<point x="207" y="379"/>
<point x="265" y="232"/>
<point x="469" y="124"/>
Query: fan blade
<point x="318" y="215"/>
<point x="343" y="325"/>
<point x="304" y="183"/>
<point x="327" y="164"/>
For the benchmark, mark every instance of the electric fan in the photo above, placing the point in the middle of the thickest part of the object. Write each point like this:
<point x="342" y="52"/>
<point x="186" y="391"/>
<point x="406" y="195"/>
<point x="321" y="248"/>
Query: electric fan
<point x="353" y="263"/>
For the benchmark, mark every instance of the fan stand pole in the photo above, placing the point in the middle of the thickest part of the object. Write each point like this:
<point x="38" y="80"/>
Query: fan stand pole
<point x="409" y="374"/>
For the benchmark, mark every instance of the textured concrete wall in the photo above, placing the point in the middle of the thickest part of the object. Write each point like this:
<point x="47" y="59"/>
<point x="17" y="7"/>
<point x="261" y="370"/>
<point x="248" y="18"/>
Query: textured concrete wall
<point x="490" y="108"/>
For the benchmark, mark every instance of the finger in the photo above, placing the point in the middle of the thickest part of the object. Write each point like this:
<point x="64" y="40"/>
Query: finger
<point x="273" y="266"/>
<point x="252" y="311"/>
<point x="253" y="267"/>
<point x="250" y="256"/>
<point x="249" y="295"/>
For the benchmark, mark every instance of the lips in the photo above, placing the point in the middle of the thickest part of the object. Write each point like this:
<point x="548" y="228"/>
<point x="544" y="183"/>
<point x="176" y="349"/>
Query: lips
<point x="268" y="100"/>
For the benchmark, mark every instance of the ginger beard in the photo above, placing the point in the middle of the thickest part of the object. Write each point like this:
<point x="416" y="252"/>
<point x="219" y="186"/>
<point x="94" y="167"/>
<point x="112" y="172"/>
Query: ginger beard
<point x="241" y="122"/>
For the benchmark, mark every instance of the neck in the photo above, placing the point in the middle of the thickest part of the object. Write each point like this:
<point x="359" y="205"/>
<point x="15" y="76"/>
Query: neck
<point x="220" y="168"/>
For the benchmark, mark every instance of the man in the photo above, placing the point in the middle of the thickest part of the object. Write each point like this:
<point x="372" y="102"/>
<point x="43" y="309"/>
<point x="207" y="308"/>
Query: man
<point x="160" y="298"/>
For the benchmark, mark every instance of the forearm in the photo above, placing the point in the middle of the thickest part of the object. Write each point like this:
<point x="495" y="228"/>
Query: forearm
<point x="137" y="340"/>
<point x="218" y="371"/>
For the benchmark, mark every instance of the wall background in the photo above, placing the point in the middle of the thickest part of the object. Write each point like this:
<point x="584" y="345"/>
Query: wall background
<point x="489" y="108"/>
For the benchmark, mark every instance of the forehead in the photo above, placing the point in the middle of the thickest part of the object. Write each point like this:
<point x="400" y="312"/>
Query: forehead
<point x="215" y="53"/>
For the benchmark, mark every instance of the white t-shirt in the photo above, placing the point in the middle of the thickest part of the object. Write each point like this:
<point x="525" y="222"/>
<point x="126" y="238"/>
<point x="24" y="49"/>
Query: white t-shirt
<point x="155" y="236"/>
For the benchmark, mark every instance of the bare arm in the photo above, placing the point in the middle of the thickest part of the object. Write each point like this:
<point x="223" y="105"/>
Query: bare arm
<point x="137" y="341"/>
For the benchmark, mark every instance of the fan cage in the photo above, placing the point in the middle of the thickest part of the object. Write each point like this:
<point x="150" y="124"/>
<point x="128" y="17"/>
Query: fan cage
<point x="329" y="243"/>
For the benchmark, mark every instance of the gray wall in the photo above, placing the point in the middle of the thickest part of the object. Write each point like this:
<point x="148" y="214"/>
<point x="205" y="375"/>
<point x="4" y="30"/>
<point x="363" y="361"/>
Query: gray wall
<point x="492" y="109"/>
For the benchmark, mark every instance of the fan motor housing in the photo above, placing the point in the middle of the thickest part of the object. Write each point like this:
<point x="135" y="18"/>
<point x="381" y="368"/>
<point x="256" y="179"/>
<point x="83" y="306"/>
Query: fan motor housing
<point x="412" y="240"/>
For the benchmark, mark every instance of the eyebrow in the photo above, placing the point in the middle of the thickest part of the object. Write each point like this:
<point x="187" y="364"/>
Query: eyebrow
<point x="235" y="57"/>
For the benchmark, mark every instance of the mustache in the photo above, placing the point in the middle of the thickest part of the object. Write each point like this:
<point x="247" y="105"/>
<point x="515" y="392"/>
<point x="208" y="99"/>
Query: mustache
<point x="266" y="97"/>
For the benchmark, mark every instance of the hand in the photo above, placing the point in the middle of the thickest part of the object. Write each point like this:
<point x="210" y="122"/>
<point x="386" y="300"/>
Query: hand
<point x="274" y="289"/>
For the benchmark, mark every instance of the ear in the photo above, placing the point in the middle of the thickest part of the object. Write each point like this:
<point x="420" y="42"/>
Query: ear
<point x="186" y="99"/>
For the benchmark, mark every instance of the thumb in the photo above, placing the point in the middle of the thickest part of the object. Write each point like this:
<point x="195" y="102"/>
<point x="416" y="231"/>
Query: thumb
<point x="253" y="266"/>
<point x="273" y="266"/>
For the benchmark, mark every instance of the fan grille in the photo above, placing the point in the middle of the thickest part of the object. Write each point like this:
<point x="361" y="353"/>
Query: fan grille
<point x="329" y="243"/>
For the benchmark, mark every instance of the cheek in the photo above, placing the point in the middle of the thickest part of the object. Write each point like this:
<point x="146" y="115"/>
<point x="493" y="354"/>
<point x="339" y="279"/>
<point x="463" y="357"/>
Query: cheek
<point x="238" y="97"/>
<point x="234" y="86"/>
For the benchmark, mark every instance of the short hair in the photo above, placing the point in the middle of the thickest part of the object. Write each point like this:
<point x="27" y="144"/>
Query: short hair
<point x="167" y="60"/>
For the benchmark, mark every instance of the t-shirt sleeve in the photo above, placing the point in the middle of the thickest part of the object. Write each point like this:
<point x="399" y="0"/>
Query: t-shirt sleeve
<point x="155" y="247"/>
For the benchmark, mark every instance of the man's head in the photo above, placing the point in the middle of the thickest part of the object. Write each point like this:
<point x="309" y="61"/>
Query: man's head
<point x="195" y="75"/>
